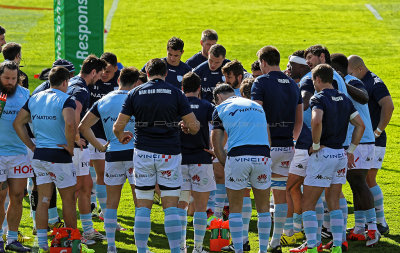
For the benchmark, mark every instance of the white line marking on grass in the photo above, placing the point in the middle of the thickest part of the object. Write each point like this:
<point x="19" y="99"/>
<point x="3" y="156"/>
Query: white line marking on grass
<point x="110" y="16"/>
<point x="375" y="12"/>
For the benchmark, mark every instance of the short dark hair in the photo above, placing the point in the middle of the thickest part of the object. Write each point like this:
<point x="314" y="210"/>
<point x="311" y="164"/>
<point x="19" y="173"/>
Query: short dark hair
<point x="93" y="62"/>
<point x="190" y="82"/>
<point x="317" y="50"/>
<point x="11" y="66"/>
<point x="255" y="66"/>
<point x="142" y="77"/>
<point x="245" y="87"/>
<point x="222" y="89"/>
<point x="57" y="76"/>
<point x="128" y="76"/>
<point x="299" y="53"/>
<point x="217" y="50"/>
<point x="234" y="67"/>
<point x="156" y="67"/>
<point x="2" y="30"/>
<point x="110" y="58"/>
<point x="323" y="71"/>
<point x="11" y="50"/>
<point x="175" y="43"/>
<point x="340" y="63"/>
<point x="209" y="34"/>
<point x="270" y="55"/>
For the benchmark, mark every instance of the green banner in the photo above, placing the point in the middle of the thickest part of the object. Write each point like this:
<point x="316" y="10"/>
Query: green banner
<point x="78" y="29"/>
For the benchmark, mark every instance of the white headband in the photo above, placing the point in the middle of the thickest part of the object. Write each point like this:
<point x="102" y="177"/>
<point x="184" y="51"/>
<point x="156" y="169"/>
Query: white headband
<point x="298" y="60"/>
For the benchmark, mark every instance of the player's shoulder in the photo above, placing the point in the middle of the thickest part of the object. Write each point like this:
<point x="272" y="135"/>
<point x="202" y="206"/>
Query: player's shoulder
<point x="23" y="91"/>
<point x="201" y="68"/>
<point x="377" y="80"/>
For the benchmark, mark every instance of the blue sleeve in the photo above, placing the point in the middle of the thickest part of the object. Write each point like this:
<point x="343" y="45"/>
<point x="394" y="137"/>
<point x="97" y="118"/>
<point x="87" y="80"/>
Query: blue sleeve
<point x="257" y="91"/>
<point x="300" y="99"/>
<point x="379" y="91"/>
<point x="217" y="122"/>
<point x="357" y="84"/>
<point x="95" y="110"/>
<point x="143" y="69"/>
<point x="127" y="107"/>
<point x="69" y="103"/>
<point x="183" y="105"/>
<point x="316" y="103"/>
<point x="307" y="85"/>
<point x="26" y="106"/>
<point x="210" y="112"/>
<point x="80" y="95"/>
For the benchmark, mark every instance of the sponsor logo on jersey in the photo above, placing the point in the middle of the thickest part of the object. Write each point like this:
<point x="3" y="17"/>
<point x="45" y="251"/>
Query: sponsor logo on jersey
<point x="130" y="171"/>
<point x="283" y="80"/>
<point x="320" y="177"/>
<point x="341" y="172"/>
<point x="262" y="178"/>
<point x="285" y="164"/>
<point x="166" y="173"/>
<point x="43" y="117"/>
<point x="335" y="156"/>
<point x="23" y="169"/>
<point x="231" y="179"/>
<point x="196" y="178"/>
<point x="115" y="175"/>
<point x="246" y="110"/>
<point x="337" y="99"/>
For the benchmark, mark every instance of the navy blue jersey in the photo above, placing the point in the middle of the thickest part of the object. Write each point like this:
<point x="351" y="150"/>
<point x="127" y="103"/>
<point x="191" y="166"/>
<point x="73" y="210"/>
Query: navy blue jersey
<point x="196" y="60"/>
<point x="158" y="107"/>
<point x="337" y="108"/>
<point x="377" y="90"/>
<point x="175" y="73"/>
<point x="305" y="139"/>
<point x="193" y="145"/>
<point x="79" y="91"/>
<point x="209" y="79"/>
<point x="280" y="96"/>
<point x="43" y="86"/>
<point x="307" y="84"/>
<point x="97" y="91"/>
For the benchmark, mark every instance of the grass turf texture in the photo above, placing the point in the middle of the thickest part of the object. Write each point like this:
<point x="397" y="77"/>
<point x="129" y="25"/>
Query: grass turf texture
<point x="140" y="30"/>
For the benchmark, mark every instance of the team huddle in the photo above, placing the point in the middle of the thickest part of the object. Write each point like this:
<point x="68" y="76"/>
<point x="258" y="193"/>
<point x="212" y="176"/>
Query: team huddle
<point x="200" y="136"/>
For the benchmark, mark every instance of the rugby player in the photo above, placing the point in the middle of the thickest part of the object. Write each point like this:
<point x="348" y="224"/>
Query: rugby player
<point x="196" y="166"/>
<point x="176" y="69"/>
<point x="92" y="68"/>
<point x="331" y="113"/>
<point x="209" y="37"/>
<point x="234" y="74"/>
<point x="53" y="150"/>
<point x="15" y="166"/>
<point x="12" y="52"/>
<point x="210" y="72"/>
<point x="364" y="211"/>
<point x="255" y="69"/>
<point x="119" y="164"/>
<point x="157" y="107"/>
<point x="247" y="159"/>
<point x="380" y="108"/>
<point x="280" y="97"/>
<point x="2" y="37"/>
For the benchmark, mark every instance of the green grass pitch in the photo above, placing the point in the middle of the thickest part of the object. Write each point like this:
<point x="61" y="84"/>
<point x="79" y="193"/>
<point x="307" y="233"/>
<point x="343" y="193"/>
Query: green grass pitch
<point x="140" y="30"/>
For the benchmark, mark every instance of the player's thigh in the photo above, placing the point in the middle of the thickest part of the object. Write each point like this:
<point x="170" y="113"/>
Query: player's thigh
<point x="202" y="177"/>
<point x="281" y="159"/>
<point x="145" y="171"/>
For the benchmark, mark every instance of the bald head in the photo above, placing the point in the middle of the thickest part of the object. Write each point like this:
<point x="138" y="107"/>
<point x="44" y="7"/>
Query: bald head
<point x="356" y="66"/>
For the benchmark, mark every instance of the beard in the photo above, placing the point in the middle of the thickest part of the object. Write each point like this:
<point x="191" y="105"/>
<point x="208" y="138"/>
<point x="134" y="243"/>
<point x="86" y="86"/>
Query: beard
<point x="235" y="84"/>
<point x="9" y="91"/>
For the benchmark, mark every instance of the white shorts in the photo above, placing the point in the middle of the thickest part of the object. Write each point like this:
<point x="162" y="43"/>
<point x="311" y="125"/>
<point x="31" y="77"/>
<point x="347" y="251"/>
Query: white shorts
<point x="299" y="163"/>
<point x="116" y="173"/>
<point x="198" y="177"/>
<point x="240" y="170"/>
<point x="378" y="157"/>
<point x="16" y="166"/>
<point x="63" y="175"/>
<point x="364" y="156"/>
<point x="81" y="161"/>
<point x="281" y="159"/>
<point x="95" y="154"/>
<point x="327" y="166"/>
<point x="152" y="168"/>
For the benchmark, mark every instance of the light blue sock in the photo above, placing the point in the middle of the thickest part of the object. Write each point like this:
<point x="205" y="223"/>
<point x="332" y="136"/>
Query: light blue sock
<point x="1" y="234"/>
<point x="378" y="203"/>
<point x="53" y="215"/>
<point x="211" y="201"/>
<point x="42" y="238"/>
<point x="142" y="228"/>
<point x="101" y="193"/>
<point x="297" y="222"/>
<point x="110" y="225"/>
<point x="310" y="225"/>
<point x="87" y="223"/>
<point x="236" y="229"/>
<point x="345" y="213"/>
<point x="246" y="216"/>
<point x="172" y="227"/>
<point x="370" y="217"/>
<point x="319" y="211"/>
<point x="337" y="227"/>
<point x="183" y="219"/>
<point x="33" y="218"/>
<point x="199" y="226"/>
<point x="288" y="227"/>
<point x="359" y="220"/>
<point x="264" y="228"/>
<point x="279" y="222"/>
<point x="12" y="236"/>
<point x="220" y="195"/>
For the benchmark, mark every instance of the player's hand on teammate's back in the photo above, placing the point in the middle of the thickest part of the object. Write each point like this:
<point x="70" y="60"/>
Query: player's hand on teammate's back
<point x="70" y="150"/>
<point x="184" y="128"/>
<point x="350" y="161"/>
<point x="126" y="137"/>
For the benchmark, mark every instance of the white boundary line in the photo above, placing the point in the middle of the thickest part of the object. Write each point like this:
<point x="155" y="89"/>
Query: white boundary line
<point x="110" y="16"/>
<point x="375" y="12"/>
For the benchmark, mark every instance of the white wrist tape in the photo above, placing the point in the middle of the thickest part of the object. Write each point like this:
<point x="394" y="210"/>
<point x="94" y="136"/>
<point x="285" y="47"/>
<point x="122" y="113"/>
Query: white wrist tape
<point x="316" y="146"/>
<point x="351" y="148"/>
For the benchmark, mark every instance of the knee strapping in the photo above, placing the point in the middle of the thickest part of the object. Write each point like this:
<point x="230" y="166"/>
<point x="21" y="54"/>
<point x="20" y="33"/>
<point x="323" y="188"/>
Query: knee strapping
<point x="184" y="196"/>
<point x="144" y="194"/>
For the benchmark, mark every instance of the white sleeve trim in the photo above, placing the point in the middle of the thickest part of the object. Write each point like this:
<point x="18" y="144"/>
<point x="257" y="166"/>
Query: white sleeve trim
<point x="353" y="115"/>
